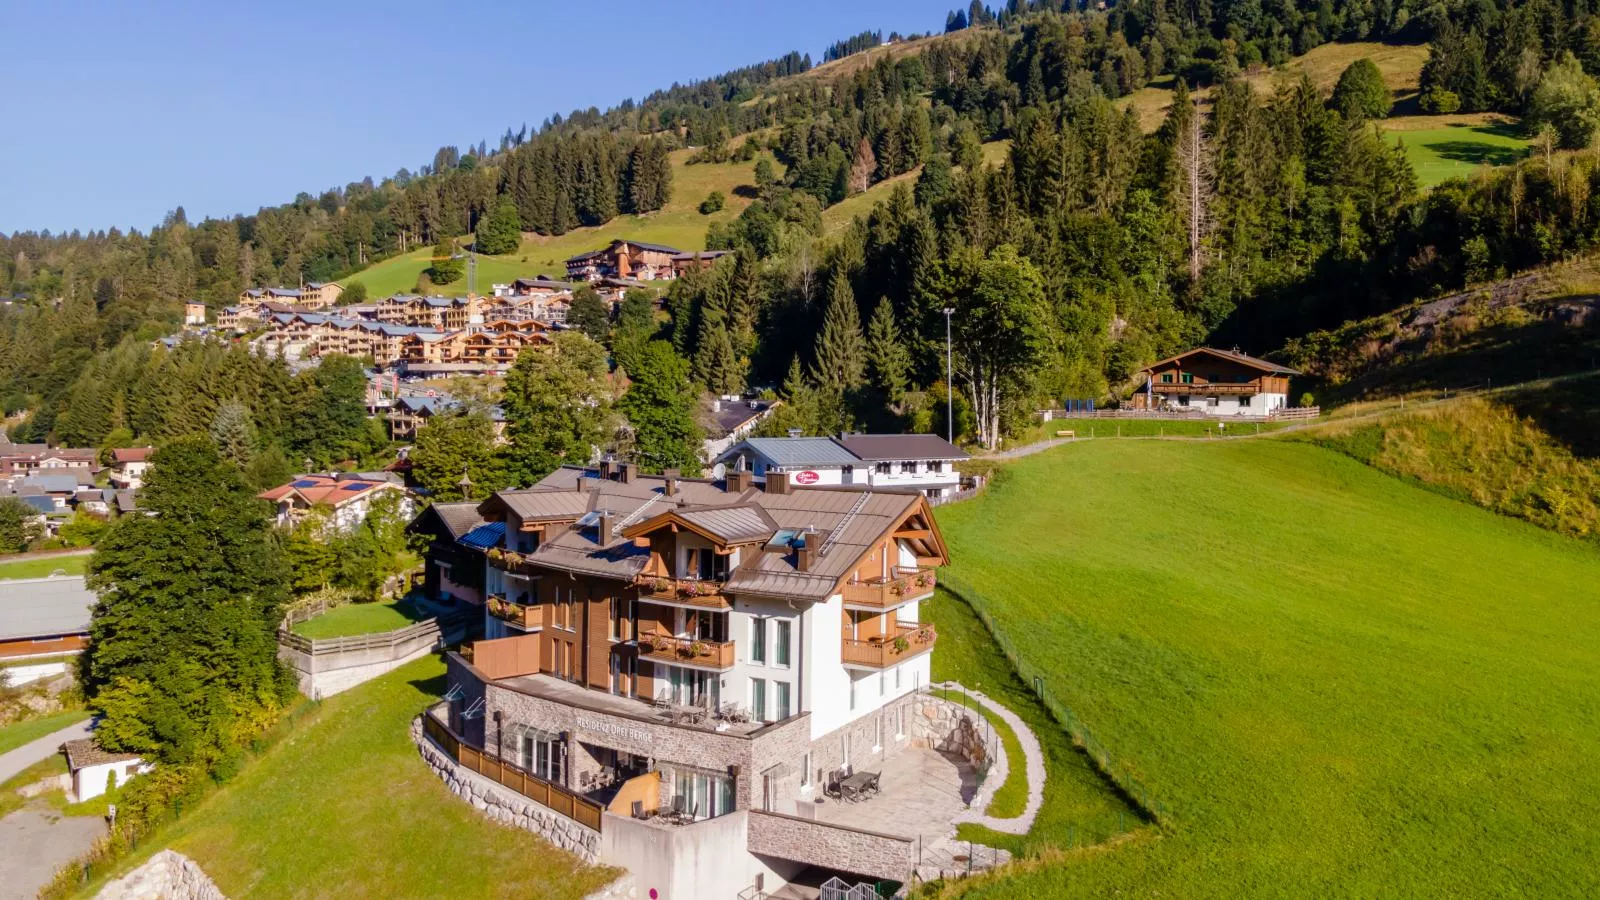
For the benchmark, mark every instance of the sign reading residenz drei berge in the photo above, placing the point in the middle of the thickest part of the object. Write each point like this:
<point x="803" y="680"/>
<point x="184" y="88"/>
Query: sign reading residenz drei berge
<point x="615" y="729"/>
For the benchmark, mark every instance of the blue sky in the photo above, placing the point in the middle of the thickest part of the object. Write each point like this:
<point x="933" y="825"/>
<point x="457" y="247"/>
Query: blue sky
<point x="117" y="112"/>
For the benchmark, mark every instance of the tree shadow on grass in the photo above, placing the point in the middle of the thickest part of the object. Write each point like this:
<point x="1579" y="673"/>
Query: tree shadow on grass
<point x="1476" y="153"/>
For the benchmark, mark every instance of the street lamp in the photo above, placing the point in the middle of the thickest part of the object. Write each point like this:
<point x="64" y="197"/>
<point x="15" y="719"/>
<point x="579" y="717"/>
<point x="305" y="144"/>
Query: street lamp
<point x="465" y="484"/>
<point x="949" y="382"/>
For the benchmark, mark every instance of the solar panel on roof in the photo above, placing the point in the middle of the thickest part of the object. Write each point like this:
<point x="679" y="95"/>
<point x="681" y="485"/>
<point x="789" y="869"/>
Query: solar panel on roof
<point x="590" y="519"/>
<point x="356" y="486"/>
<point x="306" y="483"/>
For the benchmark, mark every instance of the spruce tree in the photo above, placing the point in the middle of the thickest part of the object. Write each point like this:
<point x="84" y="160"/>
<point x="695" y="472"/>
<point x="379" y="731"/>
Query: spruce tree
<point x="233" y="433"/>
<point x="841" y="350"/>
<point x="886" y="355"/>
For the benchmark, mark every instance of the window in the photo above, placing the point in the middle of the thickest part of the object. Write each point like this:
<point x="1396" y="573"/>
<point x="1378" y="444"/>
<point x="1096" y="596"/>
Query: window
<point x="758" y="641"/>
<point x="1244" y="401"/>
<point x="805" y="772"/>
<point x="542" y="754"/>
<point x="781" y="700"/>
<point x="900" y="722"/>
<point x="936" y="467"/>
<point x="758" y="699"/>
<point x="1188" y="378"/>
<point x="883" y="683"/>
<point x="877" y="733"/>
<point x="1166" y="377"/>
<point x="908" y="468"/>
<point x="780" y="652"/>
<point x="882" y="468"/>
<point x="844" y="745"/>
<point x="847" y="475"/>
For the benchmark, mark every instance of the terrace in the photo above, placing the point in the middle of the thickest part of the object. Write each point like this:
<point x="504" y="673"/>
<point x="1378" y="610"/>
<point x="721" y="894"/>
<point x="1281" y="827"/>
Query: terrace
<point x="548" y="687"/>
<point x="920" y="791"/>
<point x="905" y="586"/>
<point x="685" y="592"/>
<point x="661" y="647"/>
<point x="522" y="615"/>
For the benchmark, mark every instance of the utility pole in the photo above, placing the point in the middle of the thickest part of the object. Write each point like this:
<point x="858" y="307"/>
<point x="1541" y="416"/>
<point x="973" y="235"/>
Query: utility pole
<point x="949" y="383"/>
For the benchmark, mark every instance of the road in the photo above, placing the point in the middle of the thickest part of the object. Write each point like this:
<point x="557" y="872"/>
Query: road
<point x="15" y="761"/>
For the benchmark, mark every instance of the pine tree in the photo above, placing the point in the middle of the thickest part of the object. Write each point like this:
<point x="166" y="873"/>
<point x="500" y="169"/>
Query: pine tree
<point x="589" y="314"/>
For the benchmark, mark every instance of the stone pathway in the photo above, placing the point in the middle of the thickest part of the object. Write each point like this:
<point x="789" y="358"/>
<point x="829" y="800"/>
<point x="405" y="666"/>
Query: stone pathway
<point x="1033" y="756"/>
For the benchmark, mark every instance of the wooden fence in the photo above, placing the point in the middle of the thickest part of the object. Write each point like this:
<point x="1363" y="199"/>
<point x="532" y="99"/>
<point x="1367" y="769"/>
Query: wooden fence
<point x="386" y="640"/>
<point x="548" y="794"/>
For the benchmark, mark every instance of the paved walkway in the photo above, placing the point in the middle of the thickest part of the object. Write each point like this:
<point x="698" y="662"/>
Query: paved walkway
<point x="15" y="761"/>
<point x="1033" y="756"/>
<point x="35" y="841"/>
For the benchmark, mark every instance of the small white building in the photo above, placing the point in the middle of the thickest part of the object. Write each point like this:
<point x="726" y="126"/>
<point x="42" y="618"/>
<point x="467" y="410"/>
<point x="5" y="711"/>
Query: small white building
<point x="923" y="463"/>
<point x="95" y="771"/>
<point x="129" y="465"/>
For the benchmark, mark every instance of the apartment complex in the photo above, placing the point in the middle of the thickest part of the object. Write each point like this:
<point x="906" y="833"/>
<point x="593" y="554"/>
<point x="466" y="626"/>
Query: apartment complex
<point x="638" y="261"/>
<point x="705" y="654"/>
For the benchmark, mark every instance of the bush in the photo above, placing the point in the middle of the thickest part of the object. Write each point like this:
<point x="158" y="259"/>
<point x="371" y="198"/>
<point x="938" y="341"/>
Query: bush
<point x="1439" y="101"/>
<point x="713" y="203"/>
<point x="1361" y="93"/>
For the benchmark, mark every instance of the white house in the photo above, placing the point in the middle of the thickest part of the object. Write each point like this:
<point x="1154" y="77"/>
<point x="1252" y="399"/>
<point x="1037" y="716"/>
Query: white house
<point x="128" y="465"/>
<point x="922" y="463"/>
<point x="349" y="495"/>
<point x="94" y="771"/>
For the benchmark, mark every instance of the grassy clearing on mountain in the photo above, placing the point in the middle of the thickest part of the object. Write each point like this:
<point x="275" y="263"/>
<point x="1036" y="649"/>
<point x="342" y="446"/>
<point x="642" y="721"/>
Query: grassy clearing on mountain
<point x="344" y="804"/>
<point x="1458" y="150"/>
<point x="1337" y="683"/>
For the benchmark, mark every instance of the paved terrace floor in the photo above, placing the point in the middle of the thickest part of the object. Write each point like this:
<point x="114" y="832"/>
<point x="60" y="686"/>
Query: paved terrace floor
<point x="921" y="791"/>
<point x="547" y="687"/>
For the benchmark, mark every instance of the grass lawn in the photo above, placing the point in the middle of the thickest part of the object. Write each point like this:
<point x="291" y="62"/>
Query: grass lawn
<point x="679" y="224"/>
<point x="343" y="804"/>
<point x="1337" y="683"/>
<point x="44" y="566"/>
<point x="1079" y="806"/>
<point x="11" y="801"/>
<point x="14" y="736"/>
<point x="360" y="618"/>
<point x="1457" y="150"/>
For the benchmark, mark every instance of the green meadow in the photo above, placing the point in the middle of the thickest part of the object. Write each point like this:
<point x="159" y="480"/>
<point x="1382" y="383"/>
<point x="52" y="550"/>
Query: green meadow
<point x="1457" y="150"/>
<point x="1336" y="683"/>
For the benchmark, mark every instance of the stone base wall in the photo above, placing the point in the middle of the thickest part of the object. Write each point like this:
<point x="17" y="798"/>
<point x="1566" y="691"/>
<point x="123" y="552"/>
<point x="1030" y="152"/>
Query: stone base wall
<point x="168" y="875"/>
<point x="505" y="805"/>
<point x="947" y="726"/>
<point x="321" y="685"/>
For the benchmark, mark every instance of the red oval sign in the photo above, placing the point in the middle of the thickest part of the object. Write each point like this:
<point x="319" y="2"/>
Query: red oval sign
<point x="806" y="477"/>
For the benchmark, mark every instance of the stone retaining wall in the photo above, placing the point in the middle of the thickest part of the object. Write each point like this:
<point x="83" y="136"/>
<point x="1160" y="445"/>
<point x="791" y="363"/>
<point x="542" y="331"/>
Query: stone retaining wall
<point x="948" y="726"/>
<point x="832" y="846"/>
<point x="505" y="805"/>
<point x="168" y="875"/>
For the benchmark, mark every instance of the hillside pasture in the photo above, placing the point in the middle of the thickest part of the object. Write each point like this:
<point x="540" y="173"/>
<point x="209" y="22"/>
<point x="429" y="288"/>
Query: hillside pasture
<point x="1444" y="149"/>
<point x="1336" y="683"/>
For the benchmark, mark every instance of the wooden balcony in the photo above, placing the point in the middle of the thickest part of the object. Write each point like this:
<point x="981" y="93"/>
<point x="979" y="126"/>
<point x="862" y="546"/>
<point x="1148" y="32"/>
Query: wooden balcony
<point x="504" y="657"/>
<point x="520" y="615"/>
<point x="885" y="593"/>
<point x="664" y="648"/>
<point x="1163" y="387"/>
<point x="882" y="652"/>
<point x="683" y="592"/>
<point x="512" y="561"/>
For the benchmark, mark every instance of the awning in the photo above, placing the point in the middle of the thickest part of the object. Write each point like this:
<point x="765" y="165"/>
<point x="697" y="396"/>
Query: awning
<point x="485" y="536"/>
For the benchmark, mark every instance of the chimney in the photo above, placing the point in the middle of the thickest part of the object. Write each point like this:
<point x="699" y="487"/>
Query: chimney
<point x="608" y="468"/>
<point x="670" y="476"/>
<point x="738" y="482"/>
<point x="630" y="472"/>
<point x="805" y="551"/>
<point x="604" y="525"/>
<point x="777" y="482"/>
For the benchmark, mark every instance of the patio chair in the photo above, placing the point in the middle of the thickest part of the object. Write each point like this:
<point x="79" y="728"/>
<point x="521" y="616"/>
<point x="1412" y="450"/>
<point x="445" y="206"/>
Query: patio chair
<point x="831" y="787"/>
<point x="678" y="804"/>
<point x="873" y="785"/>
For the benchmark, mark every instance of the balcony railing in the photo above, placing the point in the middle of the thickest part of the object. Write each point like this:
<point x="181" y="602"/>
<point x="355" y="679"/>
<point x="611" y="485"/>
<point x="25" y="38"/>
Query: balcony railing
<point x="518" y="614"/>
<point x="1165" y="387"/>
<point x="685" y="591"/>
<point x="511" y="561"/>
<point x="665" y="648"/>
<point x="883" y="593"/>
<point x="881" y="652"/>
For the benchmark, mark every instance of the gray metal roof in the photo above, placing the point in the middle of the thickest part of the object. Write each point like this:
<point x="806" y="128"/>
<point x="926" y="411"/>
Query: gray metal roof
<point x="44" y="607"/>
<point x="800" y="451"/>
<point x="901" y="446"/>
<point x="733" y="524"/>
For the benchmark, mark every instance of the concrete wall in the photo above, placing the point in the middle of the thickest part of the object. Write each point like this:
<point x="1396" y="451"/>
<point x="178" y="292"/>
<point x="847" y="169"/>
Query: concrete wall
<point x="707" y="859"/>
<point x="327" y="667"/>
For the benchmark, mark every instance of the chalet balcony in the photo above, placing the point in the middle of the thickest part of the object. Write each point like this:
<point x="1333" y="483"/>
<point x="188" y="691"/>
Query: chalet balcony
<point x="512" y="561"/>
<point x="504" y="657"/>
<point x="1162" y="387"/>
<point x="664" y="648"/>
<point x="885" y="593"/>
<point x="882" y="652"/>
<point x="685" y="592"/>
<point x="521" y="615"/>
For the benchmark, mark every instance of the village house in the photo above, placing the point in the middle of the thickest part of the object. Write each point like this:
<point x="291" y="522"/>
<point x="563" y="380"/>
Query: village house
<point x="34" y="459"/>
<point x="94" y="771"/>
<point x="688" y="261"/>
<point x="348" y="496"/>
<point x="710" y="655"/>
<point x="455" y="562"/>
<point x="194" y="313"/>
<point x="128" y="466"/>
<point x="1215" y="383"/>
<point x="727" y="420"/>
<point x="922" y="463"/>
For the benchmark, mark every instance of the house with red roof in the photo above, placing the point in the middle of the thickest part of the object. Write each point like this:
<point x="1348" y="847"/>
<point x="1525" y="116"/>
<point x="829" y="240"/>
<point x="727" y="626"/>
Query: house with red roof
<point x="128" y="465"/>
<point x="347" y="495"/>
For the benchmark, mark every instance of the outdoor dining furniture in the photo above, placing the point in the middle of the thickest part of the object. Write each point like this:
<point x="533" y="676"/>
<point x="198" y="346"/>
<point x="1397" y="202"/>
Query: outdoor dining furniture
<point x="855" y="787"/>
